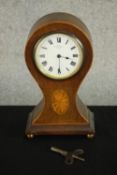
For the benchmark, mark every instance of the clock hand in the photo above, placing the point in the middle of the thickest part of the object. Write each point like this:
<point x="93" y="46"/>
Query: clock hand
<point x="59" y="56"/>
<point x="67" y="57"/>
<point x="59" y="70"/>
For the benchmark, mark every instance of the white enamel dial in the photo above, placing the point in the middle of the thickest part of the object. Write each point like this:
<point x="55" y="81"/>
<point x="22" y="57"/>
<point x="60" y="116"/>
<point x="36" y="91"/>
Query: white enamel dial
<point x="58" y="55"/>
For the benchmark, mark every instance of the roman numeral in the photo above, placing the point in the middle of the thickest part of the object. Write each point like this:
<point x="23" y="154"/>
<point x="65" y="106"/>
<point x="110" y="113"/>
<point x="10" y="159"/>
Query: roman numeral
<point x="59" y="39"/>
<point x="50" y="69"/>
<point x="42" y="55"/>
<point x="73" y="63"/>
<point x="67" y="69"/>
<point x="75" y="55"/>
<point x="66" y="42"/>
<point x="44" y="63"/>
<point x="59" y="71"/>
<point x="44" y="47"/>
<point x="50" y="42"/>
<point x="73" y="47"/>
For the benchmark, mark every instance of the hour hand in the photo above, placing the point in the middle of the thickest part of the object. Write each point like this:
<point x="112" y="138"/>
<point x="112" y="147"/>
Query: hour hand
<point x="67" y="57"/>
<point x="60" y="56"/>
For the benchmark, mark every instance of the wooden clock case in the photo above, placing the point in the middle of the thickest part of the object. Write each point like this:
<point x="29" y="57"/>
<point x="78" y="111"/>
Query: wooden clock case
<point x="60" y="112"/>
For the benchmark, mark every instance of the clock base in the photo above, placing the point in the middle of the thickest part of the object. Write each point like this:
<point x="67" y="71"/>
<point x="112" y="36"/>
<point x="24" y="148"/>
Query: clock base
<point x="65" y="128"/>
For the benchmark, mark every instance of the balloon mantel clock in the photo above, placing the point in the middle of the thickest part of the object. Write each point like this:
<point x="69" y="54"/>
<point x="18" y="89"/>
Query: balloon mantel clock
<point x="59" y="54"/>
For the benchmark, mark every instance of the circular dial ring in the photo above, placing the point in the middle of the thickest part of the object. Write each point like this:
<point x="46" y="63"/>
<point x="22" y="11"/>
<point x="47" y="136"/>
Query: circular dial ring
<point x="58" y="55"/>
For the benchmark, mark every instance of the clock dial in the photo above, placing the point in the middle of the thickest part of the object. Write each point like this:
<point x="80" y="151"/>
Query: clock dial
<point x="58" y="55"/>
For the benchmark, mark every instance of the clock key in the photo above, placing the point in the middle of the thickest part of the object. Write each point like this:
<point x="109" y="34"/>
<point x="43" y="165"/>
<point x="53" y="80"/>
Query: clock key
<point x="69" y="156"/>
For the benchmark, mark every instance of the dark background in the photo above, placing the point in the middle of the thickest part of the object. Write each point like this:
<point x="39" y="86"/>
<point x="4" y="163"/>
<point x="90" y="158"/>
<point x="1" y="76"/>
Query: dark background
<point x="19" y="156"/>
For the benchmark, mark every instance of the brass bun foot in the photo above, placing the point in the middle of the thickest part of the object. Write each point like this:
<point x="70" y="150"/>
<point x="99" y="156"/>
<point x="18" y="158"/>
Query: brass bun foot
<point x="30" y="136"/>
<point x="90" y="136"/>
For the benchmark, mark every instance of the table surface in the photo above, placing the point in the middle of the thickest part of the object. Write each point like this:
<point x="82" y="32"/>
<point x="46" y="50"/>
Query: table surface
<point x="19" y="156"/>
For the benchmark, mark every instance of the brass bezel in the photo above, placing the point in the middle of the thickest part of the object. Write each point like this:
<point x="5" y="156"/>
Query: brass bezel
<point x="76" y="40"/>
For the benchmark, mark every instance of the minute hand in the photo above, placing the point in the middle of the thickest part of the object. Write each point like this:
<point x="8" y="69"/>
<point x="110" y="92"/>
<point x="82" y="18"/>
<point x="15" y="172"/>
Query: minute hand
<point x="59" y="70"/>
